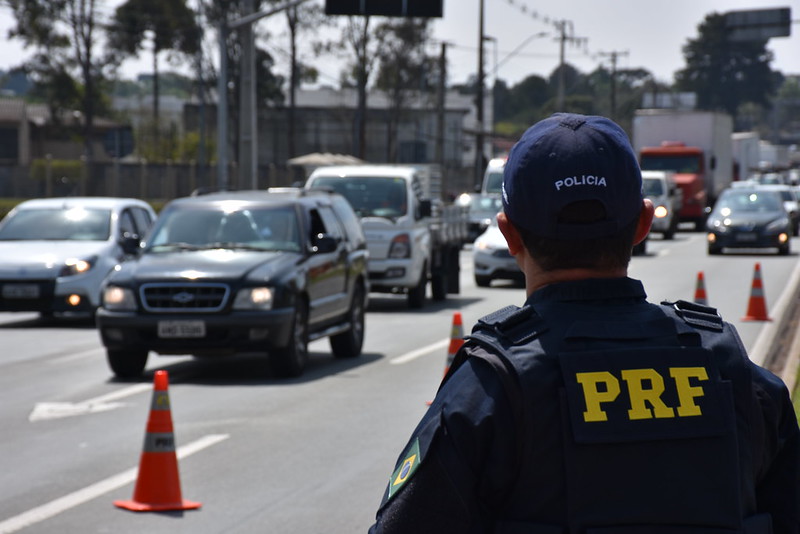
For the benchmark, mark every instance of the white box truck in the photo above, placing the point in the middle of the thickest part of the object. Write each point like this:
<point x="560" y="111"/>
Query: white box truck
<point x="412" y="236"/>
<point x="695" y="145"/>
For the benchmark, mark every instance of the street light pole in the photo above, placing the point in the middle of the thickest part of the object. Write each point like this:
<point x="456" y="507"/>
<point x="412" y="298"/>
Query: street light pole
<point x="249" y="118"/>
<point x="479" y="105"/>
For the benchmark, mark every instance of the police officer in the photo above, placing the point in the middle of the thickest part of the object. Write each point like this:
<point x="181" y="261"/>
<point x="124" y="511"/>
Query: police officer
<point x="589" y="409"/>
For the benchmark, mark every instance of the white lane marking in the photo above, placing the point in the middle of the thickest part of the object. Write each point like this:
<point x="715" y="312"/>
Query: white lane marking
<point x="62" y="504"/>
<point x="414" y="354"/>
<point x="53" y="410"/>
<point x="69" y="358"/>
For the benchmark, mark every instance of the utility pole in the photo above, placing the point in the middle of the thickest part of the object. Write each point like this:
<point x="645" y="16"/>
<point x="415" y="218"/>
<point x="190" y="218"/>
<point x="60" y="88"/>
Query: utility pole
<point x="249" y="109"/>
<point x="479" y="104"/>
<point x="614" y="56"/>
<point x="565" y="33"/>
<point x="440" y="106"/>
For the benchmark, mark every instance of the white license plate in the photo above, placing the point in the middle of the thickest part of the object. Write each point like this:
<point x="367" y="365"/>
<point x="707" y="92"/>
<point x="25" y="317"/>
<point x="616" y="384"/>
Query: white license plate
<point x="20" y="291"/>
<point x="181" y="329"/>
<point x="748" y="237"/>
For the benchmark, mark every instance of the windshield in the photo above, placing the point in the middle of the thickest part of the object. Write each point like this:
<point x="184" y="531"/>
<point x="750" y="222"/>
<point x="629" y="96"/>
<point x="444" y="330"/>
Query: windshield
<point x="652" y="188"/>
<point x="73" y="224"/>
<point x="494" y="182"/>
<point x="748" y="201"/>
<point x="679" y="164"/>
<point x="370" y="196"/>
<point x="266" y="228"/>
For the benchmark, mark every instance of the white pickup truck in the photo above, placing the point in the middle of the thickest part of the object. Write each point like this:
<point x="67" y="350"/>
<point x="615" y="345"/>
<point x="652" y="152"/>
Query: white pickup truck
<point x="412" y="236"/>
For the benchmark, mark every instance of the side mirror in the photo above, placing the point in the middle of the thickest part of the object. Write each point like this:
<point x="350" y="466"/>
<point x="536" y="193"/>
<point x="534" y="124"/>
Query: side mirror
<point x="425" y="208"/>
<point x="324" y="243"/>
<point x="130" y="244"/>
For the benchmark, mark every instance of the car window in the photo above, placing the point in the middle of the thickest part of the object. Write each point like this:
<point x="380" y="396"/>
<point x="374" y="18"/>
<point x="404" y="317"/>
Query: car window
<point x="266" y="228"/>
<point x="143" y="220"/>
<point x="73" y="224"/>
<point x="652" y="188"/>
<point x="350" y="222"/>
<point x="331" y="223"/>
<point x="127" y="226"/>
<point x="748" y="201"/>
<point x="370" y="196"/>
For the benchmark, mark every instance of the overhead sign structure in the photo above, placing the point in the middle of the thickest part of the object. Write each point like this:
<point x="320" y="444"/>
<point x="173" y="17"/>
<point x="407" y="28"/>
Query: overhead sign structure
<point x="759" y="24"/>
<point x="385" y="8"/>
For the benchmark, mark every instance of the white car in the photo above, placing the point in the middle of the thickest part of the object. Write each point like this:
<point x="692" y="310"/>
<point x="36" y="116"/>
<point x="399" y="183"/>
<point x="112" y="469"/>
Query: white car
<point x="491" y="259"/>
<point x="56" y="252"/>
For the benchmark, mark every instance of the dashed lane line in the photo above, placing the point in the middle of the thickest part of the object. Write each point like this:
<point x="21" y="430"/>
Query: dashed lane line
<point x="62" y="504"/>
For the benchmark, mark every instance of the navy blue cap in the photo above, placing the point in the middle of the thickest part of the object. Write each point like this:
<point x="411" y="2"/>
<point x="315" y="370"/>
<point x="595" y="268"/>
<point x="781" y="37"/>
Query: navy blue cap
<point x="568" y="158"/>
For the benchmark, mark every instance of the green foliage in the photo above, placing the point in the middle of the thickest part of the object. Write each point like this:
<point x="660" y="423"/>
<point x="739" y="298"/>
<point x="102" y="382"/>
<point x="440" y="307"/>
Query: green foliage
<point x="724" y="73"/>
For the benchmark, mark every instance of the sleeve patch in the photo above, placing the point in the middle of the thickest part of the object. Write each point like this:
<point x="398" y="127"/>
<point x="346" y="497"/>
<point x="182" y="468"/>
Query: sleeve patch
<point x="411" y="462"/>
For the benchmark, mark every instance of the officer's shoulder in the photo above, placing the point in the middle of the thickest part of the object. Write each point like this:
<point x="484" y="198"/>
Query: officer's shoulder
<point x="695" y="314"/>
<point x="513" y="323"/>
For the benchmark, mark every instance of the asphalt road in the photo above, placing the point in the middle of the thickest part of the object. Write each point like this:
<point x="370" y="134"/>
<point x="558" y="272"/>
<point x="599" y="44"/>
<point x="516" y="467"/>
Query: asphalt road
<point x="263" y="455"/>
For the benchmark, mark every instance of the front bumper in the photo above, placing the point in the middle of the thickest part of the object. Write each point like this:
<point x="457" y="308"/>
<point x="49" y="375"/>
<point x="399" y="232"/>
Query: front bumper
<point x="496" y="264"/>
<point x="230" y="333"/>
<point x="44" y="296"/>
<point x="753" y="239"/>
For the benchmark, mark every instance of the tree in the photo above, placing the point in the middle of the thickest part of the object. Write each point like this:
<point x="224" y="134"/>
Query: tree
<point x="357" y="35"/>
<point x="404" y="69"/>
<point x="268" y="85"/>
<point x="62" y="33"/>
<point x="299" y="20"/>
<point x="168" y="24"/>
<point x="723" y="73"/>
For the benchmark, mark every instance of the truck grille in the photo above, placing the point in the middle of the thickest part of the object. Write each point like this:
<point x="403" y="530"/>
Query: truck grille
<point x="184" y="297"/>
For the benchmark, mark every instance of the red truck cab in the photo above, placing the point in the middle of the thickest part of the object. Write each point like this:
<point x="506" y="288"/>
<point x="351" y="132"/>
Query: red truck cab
<point x="687" y="162"/>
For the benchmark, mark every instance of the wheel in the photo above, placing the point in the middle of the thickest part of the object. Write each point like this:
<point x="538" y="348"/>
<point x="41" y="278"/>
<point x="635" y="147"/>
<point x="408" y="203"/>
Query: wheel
<point x="416" y="294"/>
<point x="127" y="363"/>
<point x="483" y="281"/>
<point x="714" y="251"/>
<point x="290" y="361"/>
<point x="439" y="286"/>
<point x="784" y="250"/>
<point x="640" y="249"/>
<point x="348" y="344"/>
<point x="670" y="232"/>
<point x="454" y="272"/>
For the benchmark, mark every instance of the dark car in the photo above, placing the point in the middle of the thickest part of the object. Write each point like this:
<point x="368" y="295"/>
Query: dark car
<point x="236" y="272"/>
<point x="745" y="218"/>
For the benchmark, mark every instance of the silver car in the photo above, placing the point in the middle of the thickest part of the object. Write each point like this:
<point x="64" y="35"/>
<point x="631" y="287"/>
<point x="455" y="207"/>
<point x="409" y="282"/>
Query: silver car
<point x="491" y="259"/>
<point x="55" y="252"/>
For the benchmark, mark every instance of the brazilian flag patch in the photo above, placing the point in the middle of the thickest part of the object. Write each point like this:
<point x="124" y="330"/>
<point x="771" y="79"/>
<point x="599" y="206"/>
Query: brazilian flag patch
<point x="406" y="469"/>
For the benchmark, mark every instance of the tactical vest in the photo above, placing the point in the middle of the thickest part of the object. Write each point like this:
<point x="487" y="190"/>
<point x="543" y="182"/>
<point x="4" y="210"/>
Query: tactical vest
<point x="634" y="426"/>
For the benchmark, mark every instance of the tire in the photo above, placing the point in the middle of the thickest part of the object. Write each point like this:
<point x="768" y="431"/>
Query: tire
<point x="483" y="281"/>
<point x="416" y="294"/>
<point x="290" y="361"/>
<point x="348" y="344"/>
<point x="714" y="251"/>
<point x="454" y="272"/>
<point x="127" y="363"/>
<point x="673" y="226"/>
<point x="784" y="250"/>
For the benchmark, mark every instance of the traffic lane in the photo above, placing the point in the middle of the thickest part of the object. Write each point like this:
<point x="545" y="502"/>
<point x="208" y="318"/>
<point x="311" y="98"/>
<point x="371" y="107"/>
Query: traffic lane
<point x="670" y="270"/>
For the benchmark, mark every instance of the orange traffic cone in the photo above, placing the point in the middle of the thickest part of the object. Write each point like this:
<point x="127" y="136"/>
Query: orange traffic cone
<point x="158" y="486"/>
<point x="700" y="290"/>
<point x="456" y="340"/>
<point x="757" y="306"/>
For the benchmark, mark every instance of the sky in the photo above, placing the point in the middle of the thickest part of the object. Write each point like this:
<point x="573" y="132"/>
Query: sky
<point x="639" y="33"/>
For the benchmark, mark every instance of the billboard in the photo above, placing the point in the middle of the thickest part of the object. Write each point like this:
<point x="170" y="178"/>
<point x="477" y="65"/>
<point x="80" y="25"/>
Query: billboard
<point x="385" y="8"/>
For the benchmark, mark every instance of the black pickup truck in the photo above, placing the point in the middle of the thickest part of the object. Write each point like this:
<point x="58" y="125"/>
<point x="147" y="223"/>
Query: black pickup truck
<point x="236" y="272"/>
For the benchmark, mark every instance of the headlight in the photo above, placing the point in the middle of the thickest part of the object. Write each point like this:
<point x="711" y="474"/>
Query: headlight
<point x="400" y="247"/>
<point x="253" y="298"/>
<point x="75" y="266"/>
<point x="661" y="212"/>
<point x="118" y="299"/>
